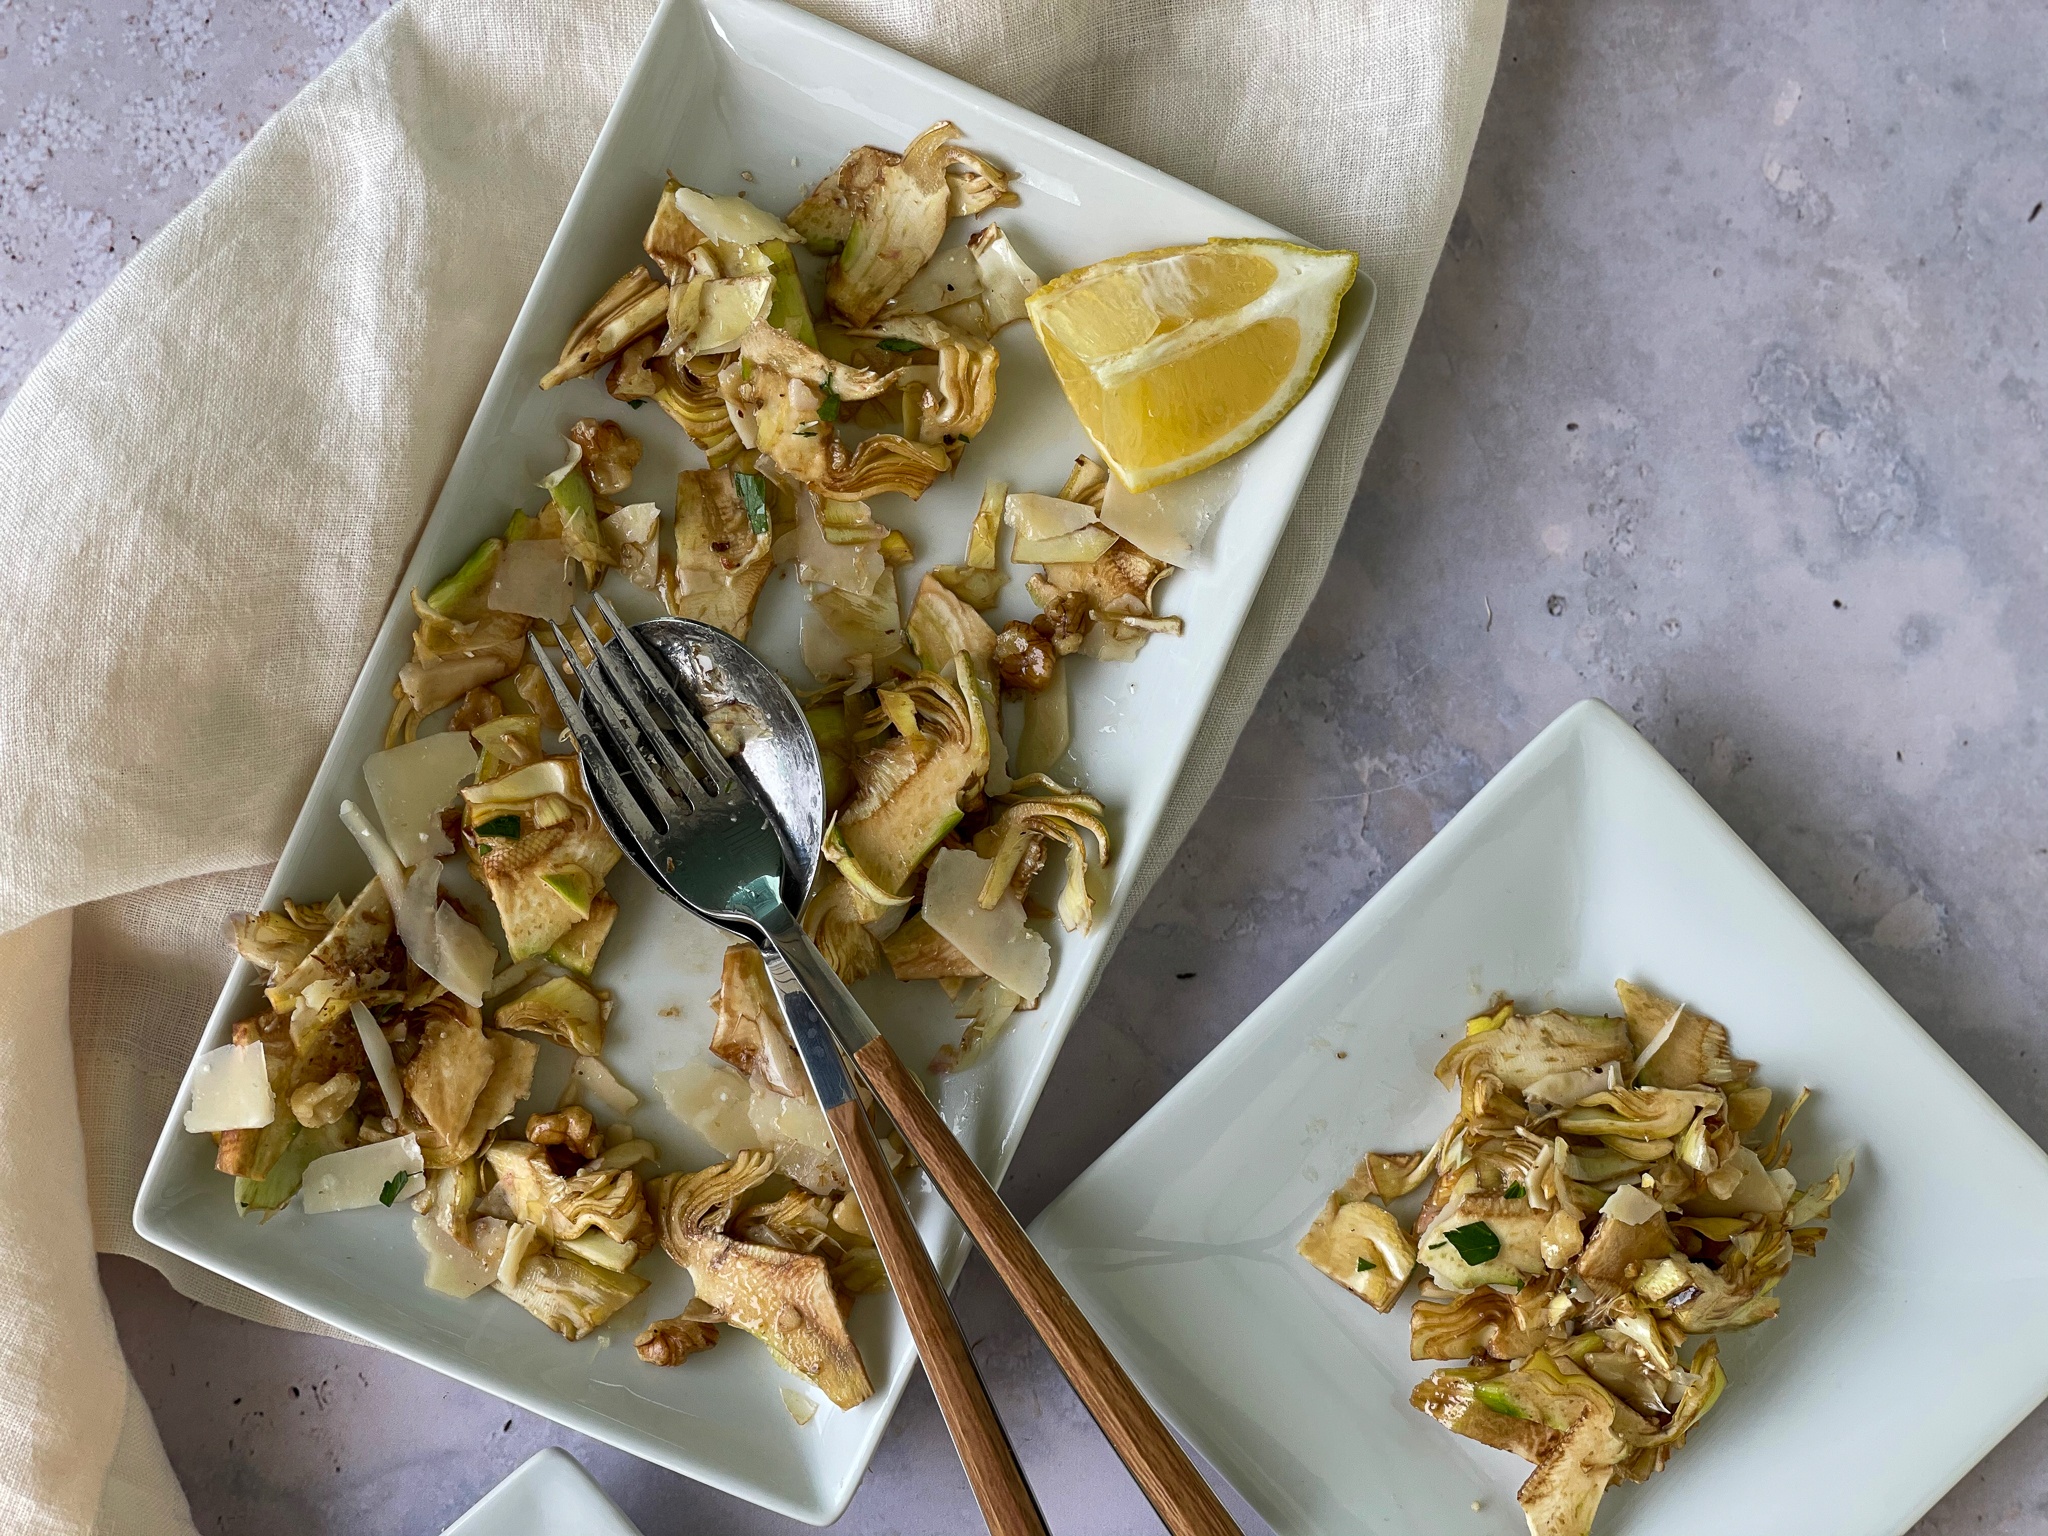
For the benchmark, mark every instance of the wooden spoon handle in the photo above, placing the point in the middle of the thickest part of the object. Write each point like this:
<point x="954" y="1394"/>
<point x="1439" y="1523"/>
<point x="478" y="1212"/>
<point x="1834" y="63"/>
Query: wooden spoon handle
<point x="992" y="1470"/>
<point x="1186" y="1503"/>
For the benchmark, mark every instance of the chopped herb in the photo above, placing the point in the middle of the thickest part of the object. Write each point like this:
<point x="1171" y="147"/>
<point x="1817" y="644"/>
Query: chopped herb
<point x="1515" y="1191"/>
<point x="635" y="404"/>
<point x="1498" y="1400"/>
<point x="1364" y="1265"/>
<point x="897" y="344"/>
<point x="393" y="1185"/>
<point x="1476" y="1244"/>
<point x="828" y="403"/>
<point x="753" y="491"/>
<point x="499" y="826"/>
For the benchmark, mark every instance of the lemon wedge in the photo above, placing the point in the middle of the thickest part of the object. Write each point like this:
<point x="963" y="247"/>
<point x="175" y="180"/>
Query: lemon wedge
<point x="1179" y="357"/>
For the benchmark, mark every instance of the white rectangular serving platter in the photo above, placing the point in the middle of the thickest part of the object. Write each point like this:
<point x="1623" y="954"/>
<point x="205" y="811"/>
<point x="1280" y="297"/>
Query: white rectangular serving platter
<point x="548" y="1494"/>
<point x="719" y="88"/>
<point x="1893" y="1366"/>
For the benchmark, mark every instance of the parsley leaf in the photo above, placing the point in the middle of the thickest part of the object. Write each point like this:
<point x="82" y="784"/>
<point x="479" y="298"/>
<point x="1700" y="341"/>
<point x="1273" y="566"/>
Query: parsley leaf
<point x="753" y="491"/>
<point x="1364" y="1265"/>
<point x="1476" y="1244"/>
<point x="828" y="404"/>
<point x="393" y="1185"/>
<point x="1515" y="1191"/>
<point x="506" y="827"/>
<point x="897" y="344"/>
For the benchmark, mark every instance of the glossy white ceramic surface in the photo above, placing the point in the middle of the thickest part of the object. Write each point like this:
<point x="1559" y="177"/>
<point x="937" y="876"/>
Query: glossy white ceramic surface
<point x="549" y="1494"/>
<point x="1895" y="1364"/>
<point x="720" y="88"/>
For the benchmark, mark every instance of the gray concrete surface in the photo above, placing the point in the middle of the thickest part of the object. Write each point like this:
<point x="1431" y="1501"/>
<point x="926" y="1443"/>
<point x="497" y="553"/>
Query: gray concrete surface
<point x="1727" y="408"/>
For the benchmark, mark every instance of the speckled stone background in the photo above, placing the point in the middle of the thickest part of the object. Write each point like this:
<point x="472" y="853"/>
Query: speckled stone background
<point x="1727" y="408"/>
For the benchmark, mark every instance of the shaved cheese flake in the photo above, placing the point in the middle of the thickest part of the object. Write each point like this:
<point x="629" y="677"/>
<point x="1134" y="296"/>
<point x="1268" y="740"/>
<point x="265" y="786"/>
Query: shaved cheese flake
<point x="390" y="872"/>
<point x="518" y="1245"/>
<point x="1038" y="517"/>
<point x="231" y="1091"/>
<point x="1170" y="521"/>
<point x="711" y="1100"/>
<point x="777" y="1120"/>
<point x="467" y="958"/>
<point x="592" y="1076"/>
<point x="996" y="939"/>
<point x="512" y="975"/>
<point x="801" y="1408"/>
<point x="378" y="1049"/>
<point x="1657" y="1041"/>
<point x="533" y="578"/>
<point x="1631" y="1207"/>
<point x="412" y="784"/>
<point x="1084" y="546"/>
<point x="351" y="1179"/>
<point x="452" y="951"/>
<point x="732" y="219"/>
<point x="451" y="1268"/>
<point x="951" y="276"/>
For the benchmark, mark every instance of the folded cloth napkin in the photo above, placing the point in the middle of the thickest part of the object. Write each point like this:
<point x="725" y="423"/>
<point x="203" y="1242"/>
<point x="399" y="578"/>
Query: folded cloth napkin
<point x="215" y="475"/>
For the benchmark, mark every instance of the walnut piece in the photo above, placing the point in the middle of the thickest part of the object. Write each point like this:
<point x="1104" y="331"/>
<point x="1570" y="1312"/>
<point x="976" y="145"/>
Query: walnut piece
<point x="318" y="1104"/>
<point x="609" y="454"/>
<point x="1024" y="657"/>
<point x="571" y="1128"/>
<point x="673" y="1340"/>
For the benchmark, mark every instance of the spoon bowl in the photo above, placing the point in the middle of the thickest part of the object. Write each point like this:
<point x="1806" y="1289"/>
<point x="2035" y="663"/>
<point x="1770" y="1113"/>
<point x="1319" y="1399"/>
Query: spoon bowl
<point x="779" y="759"/>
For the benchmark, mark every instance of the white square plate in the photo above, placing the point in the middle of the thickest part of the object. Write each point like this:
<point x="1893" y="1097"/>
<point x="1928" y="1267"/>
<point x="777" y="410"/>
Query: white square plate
<point x="1896" y="1362"/>
<point x="548" y="1494"/>
<point x="720" y="88"/>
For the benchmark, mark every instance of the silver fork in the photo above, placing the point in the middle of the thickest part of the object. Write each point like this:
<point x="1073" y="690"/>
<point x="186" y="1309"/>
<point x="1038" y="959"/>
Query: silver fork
<point x="690" y="818"/>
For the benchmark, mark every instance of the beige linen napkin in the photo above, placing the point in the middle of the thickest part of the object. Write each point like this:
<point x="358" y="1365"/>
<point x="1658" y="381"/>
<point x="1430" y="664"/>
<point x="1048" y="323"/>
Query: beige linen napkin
<point x="214" y="476"/>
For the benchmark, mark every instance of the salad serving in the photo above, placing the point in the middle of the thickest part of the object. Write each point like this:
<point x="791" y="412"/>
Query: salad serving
<point x="1602" y="1205"/>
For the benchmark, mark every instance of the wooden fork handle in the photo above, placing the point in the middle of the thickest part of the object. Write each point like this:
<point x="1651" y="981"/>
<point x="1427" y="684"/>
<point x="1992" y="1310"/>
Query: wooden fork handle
<point x="992" y="1470"/>
<point x="1185" y="1502"/>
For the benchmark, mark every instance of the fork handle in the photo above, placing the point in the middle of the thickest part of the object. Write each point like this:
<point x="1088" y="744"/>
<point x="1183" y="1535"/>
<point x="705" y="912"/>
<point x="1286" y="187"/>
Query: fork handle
<point x="985" y="1452"/>
<point x="1185" y="1502"/>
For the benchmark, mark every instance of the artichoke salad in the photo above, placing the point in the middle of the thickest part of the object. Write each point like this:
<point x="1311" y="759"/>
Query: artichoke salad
<point x="1602" y="1197"/>
<point x="396" y="1053"/>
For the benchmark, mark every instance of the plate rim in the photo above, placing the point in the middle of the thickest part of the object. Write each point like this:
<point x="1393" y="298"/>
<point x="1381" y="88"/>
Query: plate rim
<point x="153" y="1193"/>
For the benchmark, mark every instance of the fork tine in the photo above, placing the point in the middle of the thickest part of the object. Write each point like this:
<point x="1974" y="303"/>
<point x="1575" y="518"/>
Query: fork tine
<point x="596" y="761"/>
<point x="692" y="728"/>
<point x="637" y="759"/>
<point x="623" y="686"/>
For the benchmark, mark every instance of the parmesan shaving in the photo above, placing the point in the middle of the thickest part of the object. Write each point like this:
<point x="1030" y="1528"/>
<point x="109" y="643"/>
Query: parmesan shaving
<point x="1630" y="1206"/>
<point x="1657" y="1042"/>
<point x="357" y="1177"/>
<point x="231" y="1090"/>
<point x="378" y="1049"/>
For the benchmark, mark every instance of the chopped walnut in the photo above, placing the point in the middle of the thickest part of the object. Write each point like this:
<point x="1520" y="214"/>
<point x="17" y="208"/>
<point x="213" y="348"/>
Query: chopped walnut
<point x="571" y="1128"/>
<point x="609" y="454"/>
<point x="318" y="1104"/>
<point x="673" y="1340"/>
<point x="1024" y="657"/>
<point x="1065" y="619"/>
